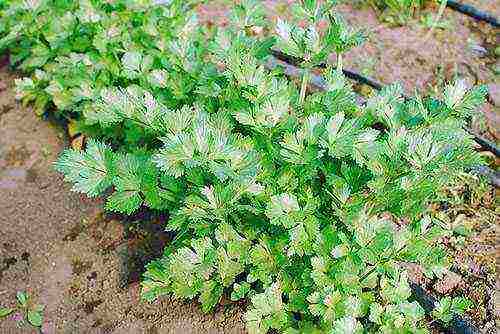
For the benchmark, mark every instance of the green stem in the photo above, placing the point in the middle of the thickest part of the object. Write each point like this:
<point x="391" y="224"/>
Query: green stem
<point x="340" y="63"/>
<point x="383" y="261"/>
<point x="437" y="18"/>
<point x="303" y="86"/>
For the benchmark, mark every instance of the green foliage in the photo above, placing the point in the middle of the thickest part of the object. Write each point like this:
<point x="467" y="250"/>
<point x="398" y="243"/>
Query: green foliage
<point x="399" y="11"/>
<point x="312" y="44"/>
<point x="75" y="48"/>
<point x="35" y="318"/>
<point x="448" y="307"/>
<point x="5" y="311"/>
<point x="33" y="314"/>
<point x="304" y="204"/>
<point x="268" y="311"/>
<point x="22" y="298"/>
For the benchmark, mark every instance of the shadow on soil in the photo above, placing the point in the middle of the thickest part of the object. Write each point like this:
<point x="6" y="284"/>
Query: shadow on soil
<point x="144" y="240"/>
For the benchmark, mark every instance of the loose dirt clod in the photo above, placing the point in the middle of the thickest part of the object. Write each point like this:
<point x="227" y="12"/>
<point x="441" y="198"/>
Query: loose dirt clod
<point x="448" y="283"/>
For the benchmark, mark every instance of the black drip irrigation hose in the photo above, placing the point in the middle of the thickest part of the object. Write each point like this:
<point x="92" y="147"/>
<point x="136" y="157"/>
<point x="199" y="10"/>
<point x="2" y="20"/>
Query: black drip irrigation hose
<point x="349" y="74"/>
<point x="485" y="143"/>
<point x="473" y="12"/>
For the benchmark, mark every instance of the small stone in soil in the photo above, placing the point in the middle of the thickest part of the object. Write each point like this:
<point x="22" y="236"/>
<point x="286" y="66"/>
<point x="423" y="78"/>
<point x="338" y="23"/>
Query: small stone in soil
<point x="448" y="283"/>
<point x="478" y="50"/>
<point x="74" y="232"/>
<point x="31" y="175"/>
<point x="5" y="109"/>
<point x="92" y="276"/>
<point x="80" y="266"/>
<point x="494" y="94"/>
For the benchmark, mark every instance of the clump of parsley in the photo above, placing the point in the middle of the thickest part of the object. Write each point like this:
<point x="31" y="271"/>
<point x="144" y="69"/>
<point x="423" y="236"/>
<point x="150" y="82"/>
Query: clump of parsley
<point x="304" y="203"/>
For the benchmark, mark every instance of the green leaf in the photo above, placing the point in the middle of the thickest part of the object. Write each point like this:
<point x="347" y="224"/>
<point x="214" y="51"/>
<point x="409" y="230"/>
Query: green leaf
<point x="89" y="171"/>
<point x="443" y="310"/>
<point x="131" y="61"/>
<point x="462" y="100"/>
<point x="397" y="289"/>
<point x="347" y="325"/>
<point x="35" y="318"/>
<point x="156" y="281"/>
<point x="281" y="208"/>
<point x="22" y="298"/>
<point x="134" y="176"/>
<point x="268" y="311"/>
<point x="240" y="291"/>
<point x="210" y="296"/>
<point x="190" y="267"/>
<point x="460" y="305"/>
<point x="5" y="311"/>
<point x="124" y="201"/>
<point x="288" y="37"/>
<point x="376" y="311"/>
<point x="412" y="311"/>
<point x="228" y="268"/>
<point x="327" y="303"/>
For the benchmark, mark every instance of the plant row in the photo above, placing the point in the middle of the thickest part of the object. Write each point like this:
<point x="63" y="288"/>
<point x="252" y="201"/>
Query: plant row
<point x="305" y="204"/>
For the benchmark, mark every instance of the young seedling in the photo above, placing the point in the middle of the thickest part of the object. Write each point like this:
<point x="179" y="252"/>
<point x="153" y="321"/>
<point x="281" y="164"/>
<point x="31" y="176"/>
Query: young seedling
<point x="25" y="311"/>
<point x="447" y="308"/>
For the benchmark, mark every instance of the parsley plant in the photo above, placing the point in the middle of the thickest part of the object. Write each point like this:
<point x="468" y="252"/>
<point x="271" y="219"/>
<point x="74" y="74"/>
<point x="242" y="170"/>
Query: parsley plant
<point x="303" y="203"/>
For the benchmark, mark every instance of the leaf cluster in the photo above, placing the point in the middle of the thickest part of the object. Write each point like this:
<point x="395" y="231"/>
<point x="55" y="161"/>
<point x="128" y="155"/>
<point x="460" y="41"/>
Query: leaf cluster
<point x="33" y="314"/>
<point x="74" y="49"/>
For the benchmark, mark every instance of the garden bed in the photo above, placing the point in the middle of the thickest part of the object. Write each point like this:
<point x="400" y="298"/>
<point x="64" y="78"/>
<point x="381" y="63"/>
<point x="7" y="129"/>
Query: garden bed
<point x="83" y="265"/>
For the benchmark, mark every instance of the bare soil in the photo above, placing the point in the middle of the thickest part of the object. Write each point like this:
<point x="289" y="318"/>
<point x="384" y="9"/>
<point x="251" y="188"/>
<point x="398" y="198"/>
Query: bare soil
<point x="84" y="265"/>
